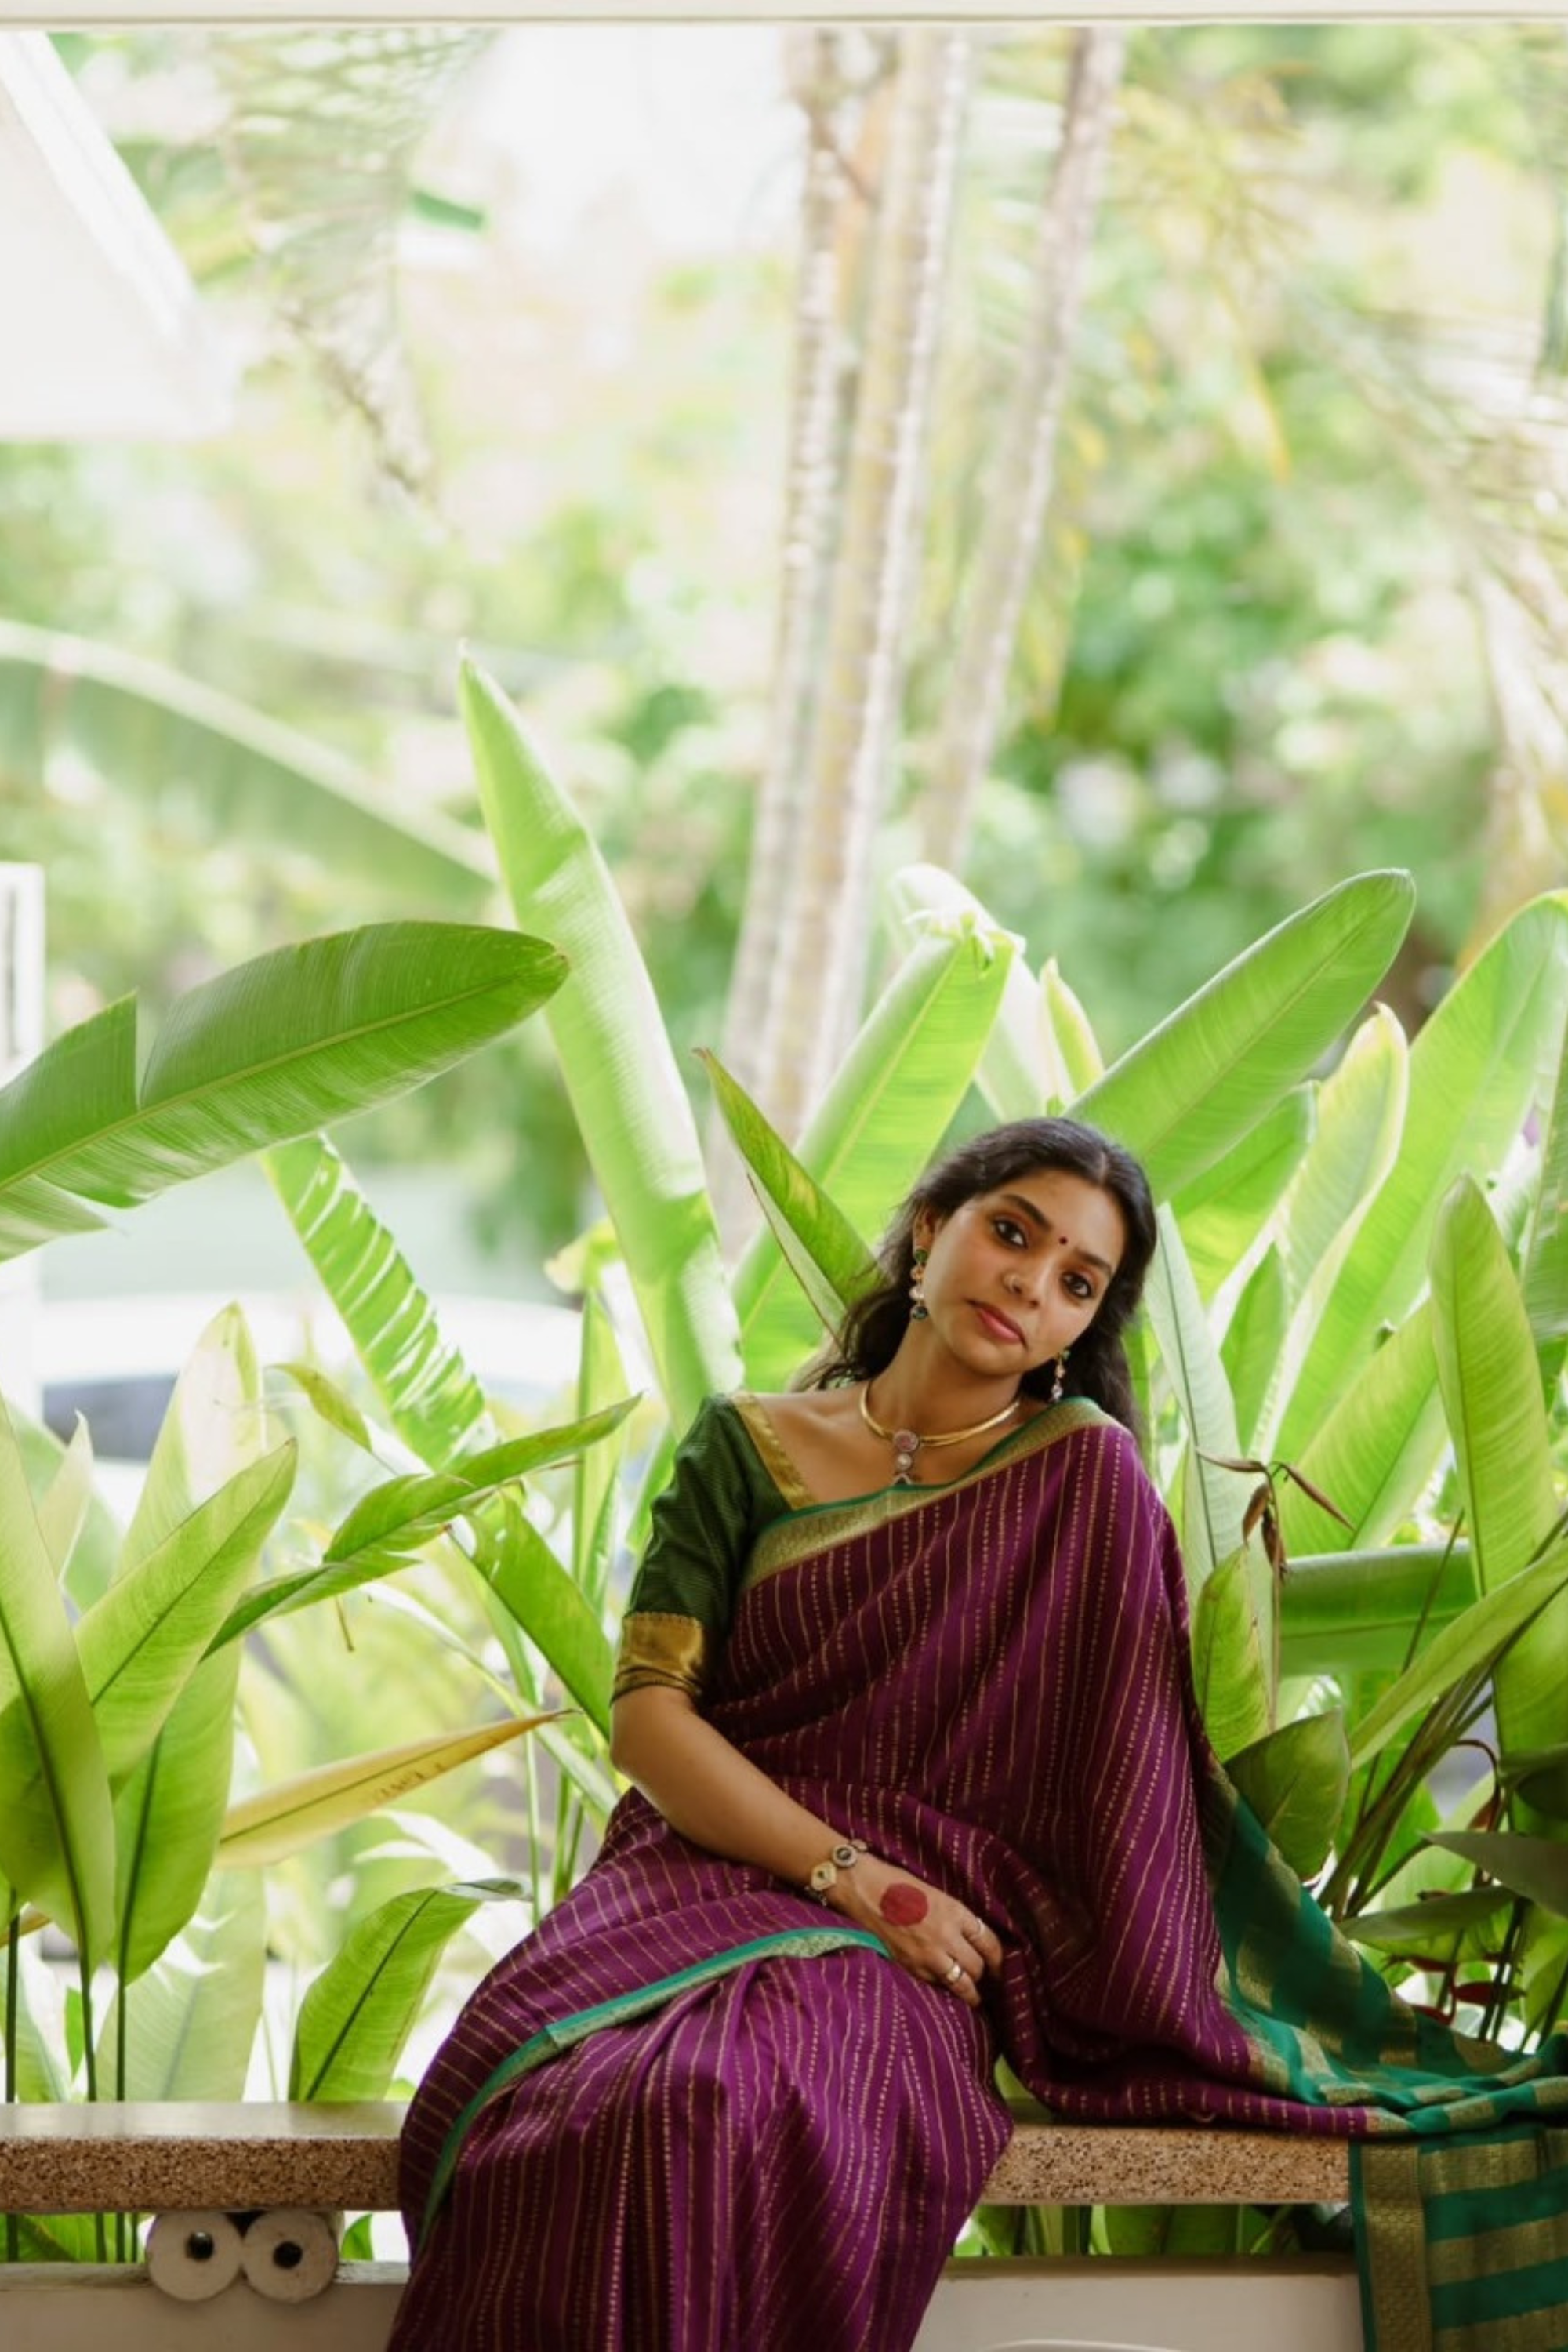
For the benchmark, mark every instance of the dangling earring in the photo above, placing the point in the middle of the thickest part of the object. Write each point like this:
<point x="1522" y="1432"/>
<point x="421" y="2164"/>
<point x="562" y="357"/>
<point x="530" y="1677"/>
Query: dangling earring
<point x="1058" y="1377"/>
<point x="919" y="1311"/>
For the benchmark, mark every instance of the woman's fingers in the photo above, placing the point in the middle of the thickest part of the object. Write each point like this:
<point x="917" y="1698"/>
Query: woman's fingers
<point x="958" y="1979"/>
<point x="985" y="1939"/>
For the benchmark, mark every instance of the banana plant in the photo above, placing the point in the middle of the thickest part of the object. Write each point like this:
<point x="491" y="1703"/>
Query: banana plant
<point x="356" y="2018"/>
<point x="280" y="1045"/>
<point x="121" y="1824"/>
<point x="615" y="1056"/>
<point x="1290" y="1201"/>
<point x="118" y="1725"/>
<point x="137" y="724"/>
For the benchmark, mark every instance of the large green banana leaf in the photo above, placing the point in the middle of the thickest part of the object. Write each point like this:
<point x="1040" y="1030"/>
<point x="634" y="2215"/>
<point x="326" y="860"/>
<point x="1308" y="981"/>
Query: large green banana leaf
<point x="1233" y="1667"/>
<point x="1212" y="1500"/>
<point x="596" y="1478"/>
<point x="1535" y="1868"/>
<point x="887" y="1108"/>
<point x="1544" y="1275"/>
<point x="1222" y="1211"/>
<point x="1363" y="1613"/>
<point x="1010" y="1072"/>
<point x="36" y="2064"/>
<point x="821" y="1247"/>
<point x="169" y="1816"/>
<point x="65" y="1504"/>
<point x="1374" y="1454"/>
<point x="529" y="1582"/>
<point x="278" y="1821"/>
<point x="145" y="728"/>
<point x="390" y="1527"/>
<point x="1296" y="1780"/>
<point x="615" y="1057"/>
<point x="141" y="1642"/>
<point x="1186" y="1094"/>
<point x="186" y="2030"/>
<point x="1361" y="1118"/>
<point x="431" y="1398"/>
<point x="1491" y="1393"/>
<point x="1253" y="1339"/>
<point x="358" y="2013"/>
<point x="1069" y="1050"/>
<point x="298" y="1037"/>
<point x="1487" y="1056"/>
<point x="213" y="1426"/>
<point x="216" y="1472"/>
<point x="1471" y="1641"/>
<point x="57" y="1826"/>
<point x="88" y="1561"/>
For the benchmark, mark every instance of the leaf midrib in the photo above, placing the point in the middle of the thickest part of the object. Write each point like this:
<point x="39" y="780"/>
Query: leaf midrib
<point x="194" y="1095"/>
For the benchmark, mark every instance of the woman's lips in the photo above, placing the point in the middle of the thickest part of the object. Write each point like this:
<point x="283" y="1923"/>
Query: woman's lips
<point x="1001" y="1326"/>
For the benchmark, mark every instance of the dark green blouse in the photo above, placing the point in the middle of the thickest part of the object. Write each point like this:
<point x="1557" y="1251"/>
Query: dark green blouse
<point x="731" y="1478"/>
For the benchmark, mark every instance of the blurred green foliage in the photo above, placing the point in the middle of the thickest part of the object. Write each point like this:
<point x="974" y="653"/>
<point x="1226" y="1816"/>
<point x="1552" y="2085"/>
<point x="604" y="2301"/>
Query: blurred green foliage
<point x="1252" y="661"/>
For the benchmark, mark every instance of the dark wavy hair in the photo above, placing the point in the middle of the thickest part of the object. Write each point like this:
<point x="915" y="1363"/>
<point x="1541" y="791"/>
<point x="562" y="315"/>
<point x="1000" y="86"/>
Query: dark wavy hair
<point x="867" y="1339"/>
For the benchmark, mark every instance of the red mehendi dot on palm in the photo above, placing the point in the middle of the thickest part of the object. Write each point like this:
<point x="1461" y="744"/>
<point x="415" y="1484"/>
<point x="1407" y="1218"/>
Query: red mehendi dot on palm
<point x="903" y="1905"/>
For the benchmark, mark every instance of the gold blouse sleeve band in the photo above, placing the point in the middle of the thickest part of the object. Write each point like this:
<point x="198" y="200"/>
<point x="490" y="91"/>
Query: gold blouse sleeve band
<point x="657" y="1648"/>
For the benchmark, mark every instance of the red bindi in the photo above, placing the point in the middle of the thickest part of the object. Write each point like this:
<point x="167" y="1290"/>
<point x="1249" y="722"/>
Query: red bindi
<point x="903" y="1905"/>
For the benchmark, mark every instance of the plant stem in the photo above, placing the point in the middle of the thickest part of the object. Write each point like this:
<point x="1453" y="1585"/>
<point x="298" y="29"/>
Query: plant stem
<point x="121" y="2063"/>
<point x="531" y="1781"/>
<point x="13" y="2013"/>
<point x="568" y="1838"/>
<point x="90" y="2064"/>
<point x="1553" y="2008"/>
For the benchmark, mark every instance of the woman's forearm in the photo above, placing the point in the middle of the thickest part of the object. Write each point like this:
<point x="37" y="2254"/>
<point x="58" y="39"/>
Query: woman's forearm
<point x="716" y="1797"/>
<point x="710" y="1793"/>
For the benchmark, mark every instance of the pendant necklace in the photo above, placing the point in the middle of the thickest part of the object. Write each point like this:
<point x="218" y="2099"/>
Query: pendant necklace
<point x="906" y="1442"/>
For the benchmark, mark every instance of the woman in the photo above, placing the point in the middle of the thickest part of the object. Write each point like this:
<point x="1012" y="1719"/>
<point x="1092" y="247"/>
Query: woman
<point x="920" y="1781"/>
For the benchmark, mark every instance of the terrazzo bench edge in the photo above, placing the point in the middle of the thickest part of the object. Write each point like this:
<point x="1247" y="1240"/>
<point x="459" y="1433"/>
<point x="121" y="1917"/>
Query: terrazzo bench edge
<point x="151" y="2158"/>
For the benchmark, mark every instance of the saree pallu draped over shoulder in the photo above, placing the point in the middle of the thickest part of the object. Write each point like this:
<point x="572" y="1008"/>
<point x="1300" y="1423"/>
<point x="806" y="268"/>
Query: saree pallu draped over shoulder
<point x="695" y="2113"/>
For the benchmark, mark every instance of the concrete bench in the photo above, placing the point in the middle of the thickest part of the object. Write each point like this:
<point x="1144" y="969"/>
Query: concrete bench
<point x="168" y="2159"/>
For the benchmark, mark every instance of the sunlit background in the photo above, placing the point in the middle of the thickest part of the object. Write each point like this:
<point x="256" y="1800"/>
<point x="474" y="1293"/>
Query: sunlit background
<point x="325" y="354"/>
<point x="509" y="324"/>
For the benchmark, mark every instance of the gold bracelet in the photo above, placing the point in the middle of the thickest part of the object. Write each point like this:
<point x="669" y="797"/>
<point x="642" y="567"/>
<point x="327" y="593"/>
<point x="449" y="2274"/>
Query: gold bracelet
<point x="843" y="1857"/>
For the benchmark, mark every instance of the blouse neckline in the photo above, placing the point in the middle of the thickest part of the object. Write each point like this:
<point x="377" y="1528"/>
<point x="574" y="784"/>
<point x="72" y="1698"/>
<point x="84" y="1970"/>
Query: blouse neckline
<point x="797" y="1495"/>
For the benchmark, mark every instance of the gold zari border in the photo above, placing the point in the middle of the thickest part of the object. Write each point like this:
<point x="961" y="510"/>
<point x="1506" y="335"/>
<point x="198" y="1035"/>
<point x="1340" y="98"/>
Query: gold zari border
<point x="658" y="1648"/>
<point x="788" y="1541"/>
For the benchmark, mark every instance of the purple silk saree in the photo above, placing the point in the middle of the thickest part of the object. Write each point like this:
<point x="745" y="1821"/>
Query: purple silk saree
<point x="696" y="2113"/>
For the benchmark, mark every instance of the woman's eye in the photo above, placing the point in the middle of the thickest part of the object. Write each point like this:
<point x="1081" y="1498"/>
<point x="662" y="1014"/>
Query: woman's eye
<point x="1080" y="1285"/>
<point x="1011" y="1233"/>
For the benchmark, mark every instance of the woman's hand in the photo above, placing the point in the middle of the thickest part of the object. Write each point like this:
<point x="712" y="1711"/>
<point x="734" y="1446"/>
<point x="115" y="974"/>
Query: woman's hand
<point x="712" y="1794"/>
<point x="931" y="1933"/>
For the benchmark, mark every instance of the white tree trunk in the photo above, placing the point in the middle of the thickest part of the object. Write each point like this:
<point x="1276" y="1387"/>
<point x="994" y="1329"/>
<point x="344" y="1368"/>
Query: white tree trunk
<point x="1020" y="487"/>
<point x="818" y="972"/>
<point x="811" y="517"/>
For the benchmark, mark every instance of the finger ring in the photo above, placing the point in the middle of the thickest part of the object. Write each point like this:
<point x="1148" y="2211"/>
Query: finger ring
<point x="951" y="1975"/>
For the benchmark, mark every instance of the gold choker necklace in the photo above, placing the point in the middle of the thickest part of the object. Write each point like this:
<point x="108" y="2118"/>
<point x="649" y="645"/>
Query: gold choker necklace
<point x="906" y="1442"/>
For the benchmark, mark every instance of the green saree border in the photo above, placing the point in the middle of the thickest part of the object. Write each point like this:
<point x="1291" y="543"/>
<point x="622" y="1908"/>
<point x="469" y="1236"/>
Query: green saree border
<point x="563" y="2032"/>
<point x="1465" y="2242"/>
<point x="786" y="1542"/>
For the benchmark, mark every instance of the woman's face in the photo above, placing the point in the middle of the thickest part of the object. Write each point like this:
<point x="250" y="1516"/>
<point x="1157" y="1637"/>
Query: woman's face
<point x="1016" y="1274"/>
